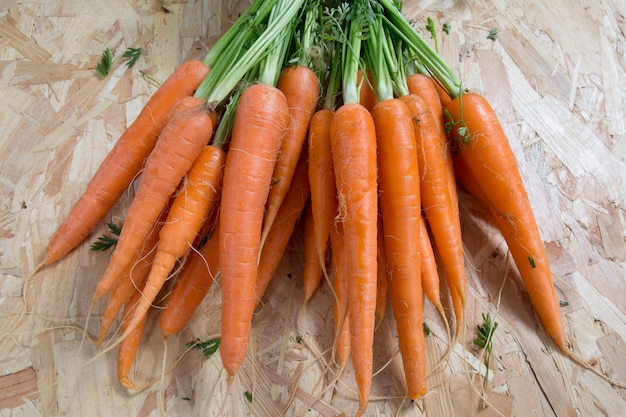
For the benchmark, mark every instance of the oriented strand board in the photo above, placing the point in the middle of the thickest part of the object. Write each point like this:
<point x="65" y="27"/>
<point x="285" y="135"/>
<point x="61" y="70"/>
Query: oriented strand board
<point x="556" y="77"/>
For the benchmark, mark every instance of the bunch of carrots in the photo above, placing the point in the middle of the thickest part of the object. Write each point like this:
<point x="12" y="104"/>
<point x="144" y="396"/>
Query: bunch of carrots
<point x="337" y="115"/>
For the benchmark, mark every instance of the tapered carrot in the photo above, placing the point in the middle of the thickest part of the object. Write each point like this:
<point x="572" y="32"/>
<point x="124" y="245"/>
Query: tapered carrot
<point x="430" y="91"/>
<point x="282" y="229"/>
<point x="198" y="274"/>
<point x="381" y="276"/>
<point x="353" y="140"/>
<point x="188" y="213"/>
<point x="180" y="142"/>
<point x="261" y="120"/>
<point x="312" y="272"/>
<point x="399" y="183"/>
<point x="430" y="275"/>
<point x="122" y="165"/>
<point x="132" y="279"/>
<point x="300" y="86"/>
<point x="492" y="164"/>
<point x="127" y="349"/>
<point x="436" y="201"/>
<point x="322" y="182"/>
<point x="341" y="319"/>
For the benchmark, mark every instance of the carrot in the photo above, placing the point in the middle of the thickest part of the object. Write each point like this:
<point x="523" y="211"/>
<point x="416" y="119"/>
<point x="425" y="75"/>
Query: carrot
<point x="322" y="182"/>
<point x="492" y="164"/>
<point x="431" y="92"/>
<point x="437" y="205"/>
<point x="122" y="165"/>
<point x="300" y="86"/>
<point x="128" y="347"/>
<point x="399" y="183"/>
<point x="282" y="229"/>
<point x="188" y="213"/>
<point x="381" y="276"/>
<point x="180" y="142"/>
<point x="341" y="323"/>
<point x="367" y="93"/>
<point x="261" y="120"/>
<point x="133" y="278"/>
<point x="199" y="272"/>
<point x="312" y="269"/>
<point x="430" y="275"/>
<point x="353" y="140"/>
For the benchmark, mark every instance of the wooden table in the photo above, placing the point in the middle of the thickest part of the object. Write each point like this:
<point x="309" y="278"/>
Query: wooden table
<point x="555" y="75"/>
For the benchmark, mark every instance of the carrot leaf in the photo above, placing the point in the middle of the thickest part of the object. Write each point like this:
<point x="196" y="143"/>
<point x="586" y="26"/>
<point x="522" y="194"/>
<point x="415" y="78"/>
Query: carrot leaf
<point x="248" y="396"/>
<point x="493" y="34"/>
<point x="106" y="60"/>
<point x="430" y="27"/>
<point x="208" y="347"/>
<point x="132" y="55"/>
<point x="484" y="339"/>
<point x="446" y="28"/>
<point x="106" y="242"/>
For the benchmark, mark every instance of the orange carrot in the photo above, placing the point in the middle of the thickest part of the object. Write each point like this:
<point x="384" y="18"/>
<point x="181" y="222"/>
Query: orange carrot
<point x="188" y="213"/>
<point x="290" y="210"/>
<point x="367" y="92"/>
<point x="181" y="141"/>
<point x="132" y="279"/>
<point x="300" y="86"/>
<point x="430" y="91"/>
<point x="322" y="181"/>
<point x="399" y="183"/>
<point x="312" y="269"/>
<point x="261" y="120"/>
<point x="353" y="140"/>
<point x="341" y="323"/>
<point x="381" y="276"/>
<point x="430" y="275"/>
<point x="122" y="165"/>
<point x="436" y="201"/>
<point x="193" y="283"/>
<point x="127" y="349"/>
<point x="492" y="164"/>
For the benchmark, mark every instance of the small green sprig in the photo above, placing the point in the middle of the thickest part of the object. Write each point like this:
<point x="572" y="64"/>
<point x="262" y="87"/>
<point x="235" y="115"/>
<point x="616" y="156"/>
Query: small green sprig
<point x="106" y="60"/>
<point x="484" y="340"/>
<point x="208" y="347"/>
<point x="106" y="242"/>
<point x="430" y="27"/>
<point x="493" y="34"/>
<point x="132" y="55"/>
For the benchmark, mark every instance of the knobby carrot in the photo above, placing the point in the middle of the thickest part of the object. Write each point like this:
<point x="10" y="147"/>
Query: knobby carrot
<point x="353" y="140"/>
<point x="492" y="164"/>
<point x="440" y="215"/>
<point x="300" y="86"/>
<point x="261" y="120"/>
<point x="189" y="212"/>
<point x="122" y="165"/>
<point x="199" y="272"/>
<point x="322" y="181"/>
<point x="181" y="141"/>
<point x="312" y="273"/>
<point x="282" y="228"/>
<point x="399" y="183"/>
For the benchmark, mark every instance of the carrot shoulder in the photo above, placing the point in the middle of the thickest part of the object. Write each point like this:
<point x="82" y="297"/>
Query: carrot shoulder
<point x="122" y="165"/>
<point x="492" y="164"/>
